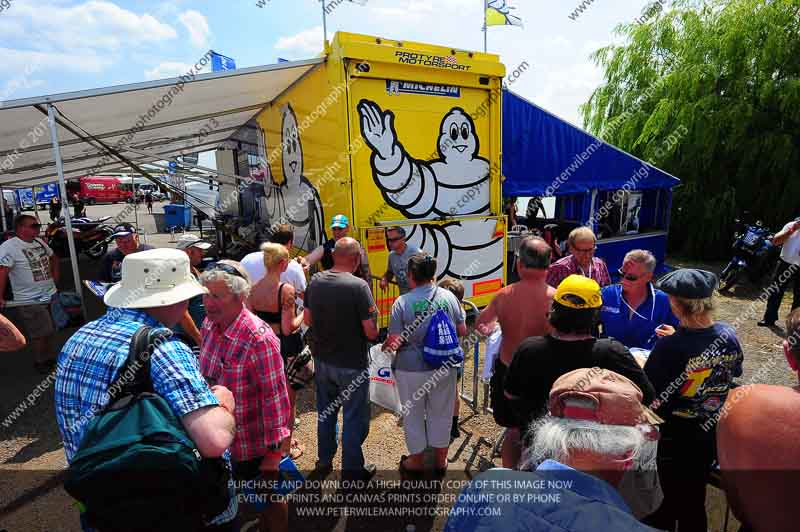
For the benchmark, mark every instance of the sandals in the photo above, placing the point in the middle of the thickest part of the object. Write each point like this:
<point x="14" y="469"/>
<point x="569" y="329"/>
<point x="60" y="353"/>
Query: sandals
<point x="296" y="450"/>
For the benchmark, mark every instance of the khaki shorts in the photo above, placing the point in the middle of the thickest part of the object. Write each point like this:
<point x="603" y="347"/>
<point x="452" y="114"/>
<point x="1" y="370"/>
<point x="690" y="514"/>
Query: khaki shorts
<point x="35" y="320"/>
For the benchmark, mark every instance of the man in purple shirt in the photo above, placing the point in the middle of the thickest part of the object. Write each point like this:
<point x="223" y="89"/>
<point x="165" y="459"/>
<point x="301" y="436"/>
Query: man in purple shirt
<point x="582" y="244"/>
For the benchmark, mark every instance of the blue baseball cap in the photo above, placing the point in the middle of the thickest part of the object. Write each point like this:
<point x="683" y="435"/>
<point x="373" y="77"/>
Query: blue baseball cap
<point x="339" y="221"/>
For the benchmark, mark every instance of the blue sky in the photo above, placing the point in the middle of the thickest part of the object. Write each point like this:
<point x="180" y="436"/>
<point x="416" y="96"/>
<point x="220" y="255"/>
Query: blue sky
<point x="50" y="46"/>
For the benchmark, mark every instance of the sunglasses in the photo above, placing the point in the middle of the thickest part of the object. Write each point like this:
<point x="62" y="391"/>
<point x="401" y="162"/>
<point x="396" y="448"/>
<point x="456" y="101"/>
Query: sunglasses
<point x="587" y="250"/>
<point x="228" y="269"/>
<point x="394" y="239"/>
<point x="34" y="226"/>
<point x="628" y="276"/>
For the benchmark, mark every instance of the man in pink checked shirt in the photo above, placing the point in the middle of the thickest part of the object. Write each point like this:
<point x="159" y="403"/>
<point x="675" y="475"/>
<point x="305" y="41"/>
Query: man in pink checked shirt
<point x="582" y="244"/>
<point x="241" y="352"/>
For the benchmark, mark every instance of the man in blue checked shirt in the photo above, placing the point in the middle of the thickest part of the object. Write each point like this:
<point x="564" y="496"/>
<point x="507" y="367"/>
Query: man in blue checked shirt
<point x="155" y="290"/>
<point x="634" y="312"/>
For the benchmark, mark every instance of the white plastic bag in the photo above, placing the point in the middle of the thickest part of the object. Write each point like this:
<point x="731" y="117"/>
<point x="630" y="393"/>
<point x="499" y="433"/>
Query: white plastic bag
<point x="492" y="352"/>
<point x="382" y="382"/>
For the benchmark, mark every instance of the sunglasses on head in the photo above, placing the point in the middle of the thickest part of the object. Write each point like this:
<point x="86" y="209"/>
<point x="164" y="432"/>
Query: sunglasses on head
<point x="228" y="269"/>
<point x="628" y="276"/>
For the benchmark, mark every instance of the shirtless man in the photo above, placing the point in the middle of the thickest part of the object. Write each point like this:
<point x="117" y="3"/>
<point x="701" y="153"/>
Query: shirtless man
<point x="521" y="309"/>
<point x="757" y="447"/>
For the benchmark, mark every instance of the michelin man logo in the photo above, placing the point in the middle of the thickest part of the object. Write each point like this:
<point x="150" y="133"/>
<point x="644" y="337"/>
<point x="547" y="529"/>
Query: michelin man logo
<point x="288" y="197"/>
<point x="454" y="184"/>
<point x="419" y="188"/>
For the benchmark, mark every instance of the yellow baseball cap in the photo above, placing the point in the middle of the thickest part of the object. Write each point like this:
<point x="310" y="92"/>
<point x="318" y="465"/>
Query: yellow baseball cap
<point x="579" y="292"/>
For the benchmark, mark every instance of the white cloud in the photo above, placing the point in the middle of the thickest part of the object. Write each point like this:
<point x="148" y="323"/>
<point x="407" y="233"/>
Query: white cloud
<point x="302" y="45"/>
<point x="563" y="88"/>
<point x="414" y="8"/>
<point x="197" y="26"/>
<point x="95" y="25"/>
<point x="16" y="61"/>
<point x="167" y="69"/>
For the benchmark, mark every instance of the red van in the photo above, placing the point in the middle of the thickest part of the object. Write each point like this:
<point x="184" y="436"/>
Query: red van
<point x="103" y="189"/>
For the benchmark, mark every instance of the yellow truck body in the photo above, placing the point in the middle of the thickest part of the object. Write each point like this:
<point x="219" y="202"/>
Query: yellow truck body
<point x="394" y="133"/>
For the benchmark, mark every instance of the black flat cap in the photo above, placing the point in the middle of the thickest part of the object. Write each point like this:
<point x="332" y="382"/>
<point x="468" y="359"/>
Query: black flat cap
<point x="689" y="283"/>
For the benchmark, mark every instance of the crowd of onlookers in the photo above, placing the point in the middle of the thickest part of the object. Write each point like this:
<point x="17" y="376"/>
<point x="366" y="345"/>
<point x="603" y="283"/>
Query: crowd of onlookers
<point x="625" y="390"/>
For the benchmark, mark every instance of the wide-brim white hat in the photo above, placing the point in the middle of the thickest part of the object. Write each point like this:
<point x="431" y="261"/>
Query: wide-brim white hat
<point x="154" y="278"/>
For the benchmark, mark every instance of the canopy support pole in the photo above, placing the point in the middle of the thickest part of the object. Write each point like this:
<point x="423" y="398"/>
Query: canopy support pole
<point x="35" y="203"/>
<point x="62" y="184"/>
<point x="233" y="178"/>
<point x="3" y="203"/>
<point x="135" y="205"/>
<point x="592" y="200"/>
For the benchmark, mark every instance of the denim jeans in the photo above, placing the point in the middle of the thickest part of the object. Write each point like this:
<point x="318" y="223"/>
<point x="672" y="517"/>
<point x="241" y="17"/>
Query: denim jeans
<point x="342" y="388"/>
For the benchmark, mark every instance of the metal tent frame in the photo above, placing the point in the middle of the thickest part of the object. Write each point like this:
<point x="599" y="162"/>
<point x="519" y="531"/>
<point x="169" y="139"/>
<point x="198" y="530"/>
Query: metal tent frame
<point x="133" y="125"/>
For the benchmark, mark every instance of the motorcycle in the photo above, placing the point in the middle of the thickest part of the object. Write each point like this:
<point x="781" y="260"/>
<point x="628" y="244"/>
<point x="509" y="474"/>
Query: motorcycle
<point x="91" y="237"/>
<point x="753" y="255"/>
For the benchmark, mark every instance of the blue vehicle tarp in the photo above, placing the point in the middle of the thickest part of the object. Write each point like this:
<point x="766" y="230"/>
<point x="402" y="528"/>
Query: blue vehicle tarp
<point x="544" y="155"/>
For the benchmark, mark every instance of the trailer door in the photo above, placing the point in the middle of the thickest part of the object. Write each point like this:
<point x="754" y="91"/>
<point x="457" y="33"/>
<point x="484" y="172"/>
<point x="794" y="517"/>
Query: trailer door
<point x="424" y="162"/>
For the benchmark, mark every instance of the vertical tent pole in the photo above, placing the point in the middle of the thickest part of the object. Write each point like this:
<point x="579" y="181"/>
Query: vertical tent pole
<point x="135" y="205"/>
<point x="592" y="222"/>
<point x="73" y="255"/>
<point x="485" y="26"/>
<point x="35" y="203"/>
<point x="3" y="203"/>
<point x="324" y="24"/>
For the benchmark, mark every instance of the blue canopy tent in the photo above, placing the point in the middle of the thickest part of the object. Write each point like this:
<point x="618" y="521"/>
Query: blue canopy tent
<point x="625" y="200"/>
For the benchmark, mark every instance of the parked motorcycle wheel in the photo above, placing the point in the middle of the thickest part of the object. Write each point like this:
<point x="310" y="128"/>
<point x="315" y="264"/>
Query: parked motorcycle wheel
<point x="97" y="251"/>
<point x="729" y="278"/>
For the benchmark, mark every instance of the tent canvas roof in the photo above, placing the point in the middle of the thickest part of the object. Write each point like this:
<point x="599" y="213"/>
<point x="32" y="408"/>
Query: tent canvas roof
<point x="542" y="151"/>
<point x="206" y="112"/>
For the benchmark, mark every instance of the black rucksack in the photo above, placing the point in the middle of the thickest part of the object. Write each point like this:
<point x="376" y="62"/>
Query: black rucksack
<point x="137" y="469"/>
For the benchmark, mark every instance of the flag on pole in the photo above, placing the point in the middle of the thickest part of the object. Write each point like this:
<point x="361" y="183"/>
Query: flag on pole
<point x="499" y="13"/>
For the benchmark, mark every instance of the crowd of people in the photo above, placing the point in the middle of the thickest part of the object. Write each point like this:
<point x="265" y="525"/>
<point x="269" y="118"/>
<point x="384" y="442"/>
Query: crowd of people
<point x="618" y="388"/>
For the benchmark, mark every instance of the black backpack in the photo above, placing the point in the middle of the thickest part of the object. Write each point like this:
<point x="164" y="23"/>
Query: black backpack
<point x="137" y="469"/>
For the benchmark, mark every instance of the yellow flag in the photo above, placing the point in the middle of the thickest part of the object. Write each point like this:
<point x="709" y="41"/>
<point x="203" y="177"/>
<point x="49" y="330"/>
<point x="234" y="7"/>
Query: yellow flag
<point x="499" y="13"/>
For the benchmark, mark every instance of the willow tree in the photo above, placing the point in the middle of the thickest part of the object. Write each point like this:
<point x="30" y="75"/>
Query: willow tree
<point x="709" y="91"/>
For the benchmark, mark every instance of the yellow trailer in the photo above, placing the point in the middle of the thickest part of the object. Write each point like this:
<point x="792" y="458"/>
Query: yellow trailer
<point x="394" y="133"/>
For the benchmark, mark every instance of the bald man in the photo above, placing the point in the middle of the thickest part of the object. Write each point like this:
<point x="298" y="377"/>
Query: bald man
<point x="341" y="312"/>
<point x="521" y="310"/>
<point x="757" y="443"/>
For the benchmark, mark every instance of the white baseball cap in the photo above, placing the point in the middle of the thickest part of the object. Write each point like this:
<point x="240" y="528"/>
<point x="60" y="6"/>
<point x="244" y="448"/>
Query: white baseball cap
<point x="154" y="278"/>
<point x="189" y="240"/>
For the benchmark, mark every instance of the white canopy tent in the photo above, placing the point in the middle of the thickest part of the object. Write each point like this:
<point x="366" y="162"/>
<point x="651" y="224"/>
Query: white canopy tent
<point x="73" y="134"/>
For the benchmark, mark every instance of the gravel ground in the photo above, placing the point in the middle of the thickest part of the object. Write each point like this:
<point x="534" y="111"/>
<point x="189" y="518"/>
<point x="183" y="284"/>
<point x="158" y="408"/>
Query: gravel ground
<point x="30" y="450"/>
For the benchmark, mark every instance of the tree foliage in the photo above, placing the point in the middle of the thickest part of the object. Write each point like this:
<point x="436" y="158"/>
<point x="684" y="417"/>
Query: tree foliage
<point x="726" y="74"/>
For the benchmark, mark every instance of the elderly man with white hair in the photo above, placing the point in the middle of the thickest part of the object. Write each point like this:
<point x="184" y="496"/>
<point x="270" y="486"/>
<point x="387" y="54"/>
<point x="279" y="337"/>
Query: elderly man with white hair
<point x="242" y="353"/>
<point x="634" y="312"/>
<point x="596" y="428"/>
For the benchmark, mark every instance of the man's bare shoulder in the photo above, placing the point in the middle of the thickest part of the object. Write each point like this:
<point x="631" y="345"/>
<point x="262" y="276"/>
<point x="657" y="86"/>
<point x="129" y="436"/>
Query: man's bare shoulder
<point x="767" y="403"/>
<point x="759" y="429"/>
